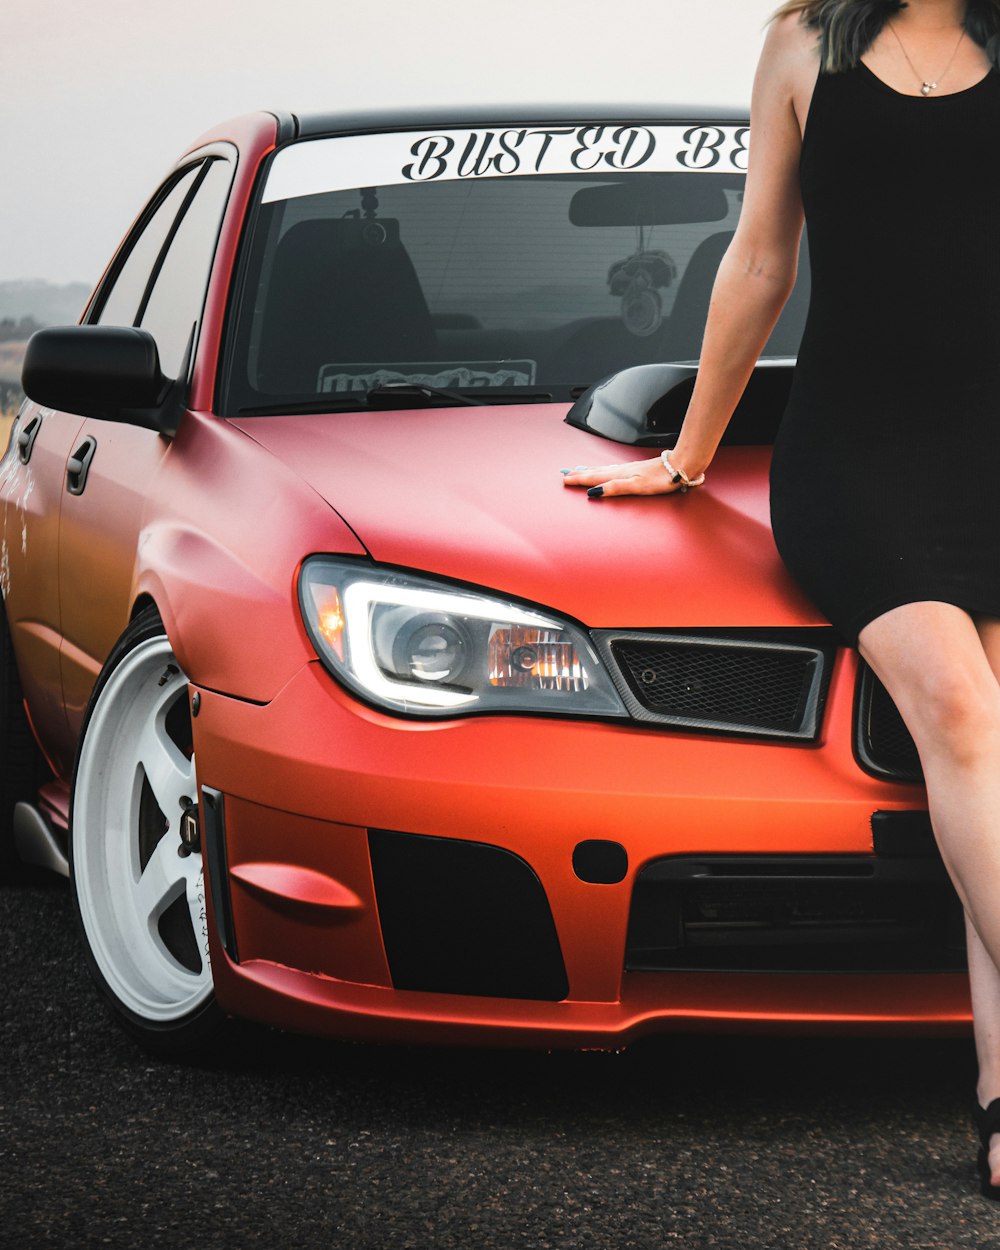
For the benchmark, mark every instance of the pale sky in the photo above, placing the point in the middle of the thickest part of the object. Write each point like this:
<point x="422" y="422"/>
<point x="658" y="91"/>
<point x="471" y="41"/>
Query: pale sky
<point x="99" y="97"/>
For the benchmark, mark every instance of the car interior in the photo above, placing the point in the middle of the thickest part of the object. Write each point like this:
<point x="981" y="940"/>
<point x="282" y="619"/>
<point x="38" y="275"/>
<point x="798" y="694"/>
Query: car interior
<point x="487" y="284"/>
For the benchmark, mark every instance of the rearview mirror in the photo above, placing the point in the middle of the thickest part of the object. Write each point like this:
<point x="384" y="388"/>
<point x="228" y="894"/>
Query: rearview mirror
<point x="651" y="200"/>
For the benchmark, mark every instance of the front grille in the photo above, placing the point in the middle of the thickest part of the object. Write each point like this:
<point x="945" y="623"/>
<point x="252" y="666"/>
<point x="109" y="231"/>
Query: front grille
<point x="843" y="913"/>
<point x="882" y="743"/>
<point x="771" y="686"/>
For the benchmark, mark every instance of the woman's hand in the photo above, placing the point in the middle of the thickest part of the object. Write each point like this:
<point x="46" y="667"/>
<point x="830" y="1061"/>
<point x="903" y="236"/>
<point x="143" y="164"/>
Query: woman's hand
<point x="637" y="477"/>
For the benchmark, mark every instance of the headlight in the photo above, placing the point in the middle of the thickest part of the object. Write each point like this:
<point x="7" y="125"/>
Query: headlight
<point x="410" y="644"/>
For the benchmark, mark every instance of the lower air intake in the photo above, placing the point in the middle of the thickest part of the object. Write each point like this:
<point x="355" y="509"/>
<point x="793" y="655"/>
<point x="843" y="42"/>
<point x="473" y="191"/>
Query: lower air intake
<point x="802" y="913"/>
<point x="464" y="918"/>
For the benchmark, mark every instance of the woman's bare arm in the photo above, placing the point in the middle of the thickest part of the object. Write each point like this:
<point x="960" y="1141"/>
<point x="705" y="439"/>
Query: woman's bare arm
<point x="756" y="274"/>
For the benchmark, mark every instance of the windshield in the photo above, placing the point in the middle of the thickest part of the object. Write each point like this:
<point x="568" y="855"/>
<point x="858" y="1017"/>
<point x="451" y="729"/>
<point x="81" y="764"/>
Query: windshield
<point x="452" y="267"/>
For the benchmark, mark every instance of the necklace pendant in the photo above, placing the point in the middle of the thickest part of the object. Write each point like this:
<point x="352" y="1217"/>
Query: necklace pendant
<point x="927" y="87"/>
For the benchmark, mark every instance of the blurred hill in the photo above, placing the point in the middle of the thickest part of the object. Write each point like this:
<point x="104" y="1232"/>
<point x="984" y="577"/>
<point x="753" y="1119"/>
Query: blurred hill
<point x="25" y="307"/>
<point x="11" y="355"/>
<point x="44" y="302"/>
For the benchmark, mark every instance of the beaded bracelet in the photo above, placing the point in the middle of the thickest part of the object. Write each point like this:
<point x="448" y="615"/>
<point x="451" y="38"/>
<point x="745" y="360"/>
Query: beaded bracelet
<point x="678" y="475"/>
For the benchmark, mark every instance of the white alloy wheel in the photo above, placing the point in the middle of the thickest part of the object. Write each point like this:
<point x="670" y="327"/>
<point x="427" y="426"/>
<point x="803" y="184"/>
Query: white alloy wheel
<point x="140" y="893"/>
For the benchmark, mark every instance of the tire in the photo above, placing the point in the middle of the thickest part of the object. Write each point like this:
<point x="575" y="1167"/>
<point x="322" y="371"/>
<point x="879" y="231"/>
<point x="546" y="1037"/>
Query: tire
<point x="140" y="901"/>
<point x="22" y="768"/>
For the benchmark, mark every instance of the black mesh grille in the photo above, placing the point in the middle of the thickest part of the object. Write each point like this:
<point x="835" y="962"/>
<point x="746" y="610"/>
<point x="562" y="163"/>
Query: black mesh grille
<point x="755" y="687"/>
<point x="882" y="742"/>
<point x="796" y="913"/>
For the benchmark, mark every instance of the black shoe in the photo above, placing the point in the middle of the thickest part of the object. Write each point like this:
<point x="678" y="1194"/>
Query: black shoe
<point x="987" y="1121"/>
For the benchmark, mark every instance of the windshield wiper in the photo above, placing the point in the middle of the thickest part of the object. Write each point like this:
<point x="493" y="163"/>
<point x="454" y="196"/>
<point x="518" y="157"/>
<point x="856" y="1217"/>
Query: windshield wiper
<point x="397" y="395"/>
<point x="405" y="395"/>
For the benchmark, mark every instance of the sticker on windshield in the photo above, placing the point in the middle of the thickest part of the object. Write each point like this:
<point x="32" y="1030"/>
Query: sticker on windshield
<point x="454" y="375"/>
<point x="320" y="165"/>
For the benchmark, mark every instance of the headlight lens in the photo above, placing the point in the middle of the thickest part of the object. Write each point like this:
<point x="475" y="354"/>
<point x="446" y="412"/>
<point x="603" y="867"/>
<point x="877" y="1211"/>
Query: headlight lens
<point x="410" y="644"/>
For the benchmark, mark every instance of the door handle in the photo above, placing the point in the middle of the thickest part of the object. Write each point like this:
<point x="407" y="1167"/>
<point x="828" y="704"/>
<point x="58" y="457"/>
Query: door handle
<point x="78" y="466"/>
<point x="26" y="438"/>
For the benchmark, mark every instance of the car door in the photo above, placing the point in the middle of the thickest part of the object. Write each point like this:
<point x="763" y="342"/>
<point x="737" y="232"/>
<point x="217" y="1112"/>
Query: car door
<point x="161" y="288"/>
<point x="32" y="477"/>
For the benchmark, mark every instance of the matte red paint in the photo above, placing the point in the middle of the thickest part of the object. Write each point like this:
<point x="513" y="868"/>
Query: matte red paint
<point x="292" y="886"/>
<point x="471" y="499"/>
<point x="650" y="1003"/>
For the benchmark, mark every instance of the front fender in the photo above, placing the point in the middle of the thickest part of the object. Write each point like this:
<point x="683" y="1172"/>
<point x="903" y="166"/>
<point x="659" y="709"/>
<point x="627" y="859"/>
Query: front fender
<point x="221" y="563"/>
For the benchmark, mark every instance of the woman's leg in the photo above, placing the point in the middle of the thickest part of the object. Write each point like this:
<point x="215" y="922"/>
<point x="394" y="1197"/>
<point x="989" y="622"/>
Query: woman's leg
<point x="984" y="975"/>
<point x="984" y="980"/>
<point x="941" y="670"/>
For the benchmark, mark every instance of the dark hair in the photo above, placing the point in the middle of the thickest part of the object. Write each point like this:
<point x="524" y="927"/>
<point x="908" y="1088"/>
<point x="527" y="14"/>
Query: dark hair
<point x="847" y="28"/>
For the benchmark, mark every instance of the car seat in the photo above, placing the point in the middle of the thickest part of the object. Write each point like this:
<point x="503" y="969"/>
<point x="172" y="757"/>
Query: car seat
<point x="340" y="291"/>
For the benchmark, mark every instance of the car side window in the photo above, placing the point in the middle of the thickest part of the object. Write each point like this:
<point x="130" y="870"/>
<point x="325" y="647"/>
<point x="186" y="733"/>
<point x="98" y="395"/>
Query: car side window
<point x="120" y="306"/>
<point x="175" y="302"/>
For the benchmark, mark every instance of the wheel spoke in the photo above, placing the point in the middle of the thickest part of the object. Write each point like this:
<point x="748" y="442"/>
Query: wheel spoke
<point x="169" y="772"/>
<point x="164" y="878"/>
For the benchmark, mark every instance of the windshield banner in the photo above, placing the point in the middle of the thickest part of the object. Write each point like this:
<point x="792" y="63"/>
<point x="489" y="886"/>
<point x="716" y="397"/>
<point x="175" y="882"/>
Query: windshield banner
<point x="340" y="164"/>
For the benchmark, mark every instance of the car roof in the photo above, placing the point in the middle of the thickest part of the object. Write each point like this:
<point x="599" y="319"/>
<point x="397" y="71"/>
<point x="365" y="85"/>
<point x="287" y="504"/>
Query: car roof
<point x="312" y="125"/>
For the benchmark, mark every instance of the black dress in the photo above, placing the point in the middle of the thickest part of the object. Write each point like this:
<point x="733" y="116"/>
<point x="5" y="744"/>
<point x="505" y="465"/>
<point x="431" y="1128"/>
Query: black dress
<point x="885" y="482"/>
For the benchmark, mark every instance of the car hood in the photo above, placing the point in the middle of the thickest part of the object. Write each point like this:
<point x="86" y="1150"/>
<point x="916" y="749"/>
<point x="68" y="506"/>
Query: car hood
<point x="475" y="494"/>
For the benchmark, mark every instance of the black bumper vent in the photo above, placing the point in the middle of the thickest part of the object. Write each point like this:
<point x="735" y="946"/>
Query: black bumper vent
<point x="762" y="686"/>
<point x="464" y="918"/>
<point x="882" y="743"/>
<point x="843" y="913"/>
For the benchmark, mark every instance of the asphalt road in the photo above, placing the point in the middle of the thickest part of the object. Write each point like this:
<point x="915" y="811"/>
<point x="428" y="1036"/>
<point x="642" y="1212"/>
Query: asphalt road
<point x="689" y="1142"/>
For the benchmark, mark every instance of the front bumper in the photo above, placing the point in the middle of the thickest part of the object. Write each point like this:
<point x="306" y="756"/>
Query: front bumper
<point x="307" y="778"/>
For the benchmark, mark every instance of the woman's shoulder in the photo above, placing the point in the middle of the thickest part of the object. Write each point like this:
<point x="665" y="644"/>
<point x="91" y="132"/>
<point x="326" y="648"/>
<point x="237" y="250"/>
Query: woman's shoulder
<point x="789" y="64"/>
<point x="790" y="39"/>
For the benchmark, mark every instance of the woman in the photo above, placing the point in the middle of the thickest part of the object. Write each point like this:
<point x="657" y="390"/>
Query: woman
<point x="878" y="121"/>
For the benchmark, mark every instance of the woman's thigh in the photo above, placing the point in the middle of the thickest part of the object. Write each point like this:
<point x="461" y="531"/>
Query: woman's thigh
<point x="988" y="628"/>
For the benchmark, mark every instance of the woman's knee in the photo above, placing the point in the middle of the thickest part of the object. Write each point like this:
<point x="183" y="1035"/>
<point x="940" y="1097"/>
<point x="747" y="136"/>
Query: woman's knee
<point x="952" y="711"/>
<point x="933" y="663"/>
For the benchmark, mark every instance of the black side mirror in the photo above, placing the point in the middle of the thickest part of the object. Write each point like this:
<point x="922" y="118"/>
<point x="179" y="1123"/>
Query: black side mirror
<point x="109" y="372"/>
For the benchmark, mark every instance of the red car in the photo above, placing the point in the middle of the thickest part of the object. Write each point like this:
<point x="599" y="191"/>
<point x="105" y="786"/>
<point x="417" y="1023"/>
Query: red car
<point x="345" y="715"/>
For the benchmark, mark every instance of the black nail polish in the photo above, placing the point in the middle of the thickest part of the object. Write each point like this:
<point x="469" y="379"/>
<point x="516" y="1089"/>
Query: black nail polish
<point x="595" y="492"/>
